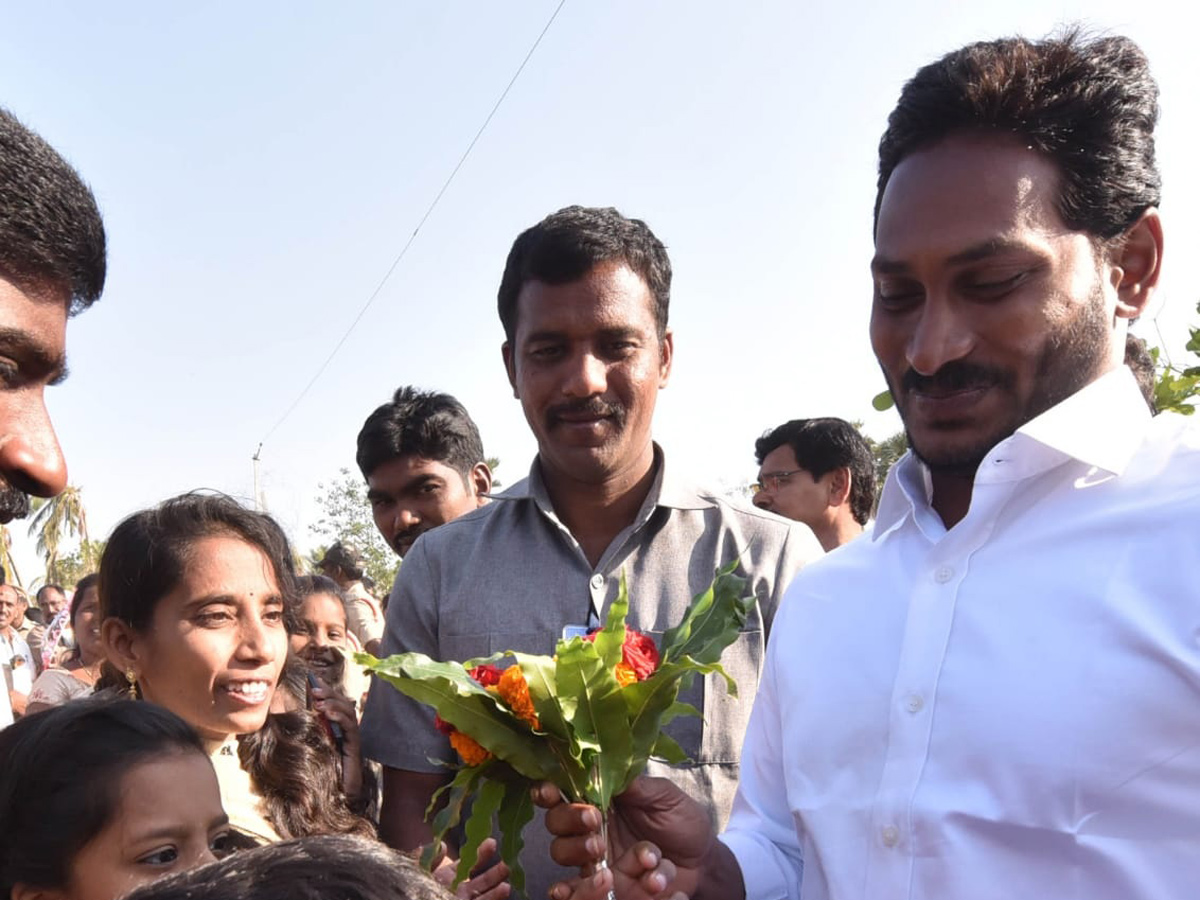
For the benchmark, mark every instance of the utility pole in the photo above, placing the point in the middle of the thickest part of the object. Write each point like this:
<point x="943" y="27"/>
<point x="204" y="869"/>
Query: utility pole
<point x="258" y="507"/>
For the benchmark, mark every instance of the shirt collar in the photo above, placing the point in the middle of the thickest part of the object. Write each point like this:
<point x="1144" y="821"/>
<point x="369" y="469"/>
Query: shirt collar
<point x="669" y="489"/>
<point x="1101" y="425"/>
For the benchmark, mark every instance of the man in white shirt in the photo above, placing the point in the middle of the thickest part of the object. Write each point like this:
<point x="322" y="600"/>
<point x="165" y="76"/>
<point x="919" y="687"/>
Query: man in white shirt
<point x="997" y="693"/>
<point x="16" y="662"/>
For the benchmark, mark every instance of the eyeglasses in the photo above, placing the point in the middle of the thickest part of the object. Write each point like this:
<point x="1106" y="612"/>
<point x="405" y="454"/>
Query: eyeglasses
<point x="772" y="481"/>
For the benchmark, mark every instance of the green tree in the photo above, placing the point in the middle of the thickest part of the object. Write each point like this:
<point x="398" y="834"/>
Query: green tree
<point x="83" y="561"/>
<point x="55" y="520"/>
<point x="1176" y="388"/>
<point x="886" y="453"/>
<point x="346" y="516"/>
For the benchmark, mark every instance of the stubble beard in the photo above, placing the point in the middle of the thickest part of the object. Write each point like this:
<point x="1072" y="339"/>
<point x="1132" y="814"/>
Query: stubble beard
<point x="1074" y="356"/>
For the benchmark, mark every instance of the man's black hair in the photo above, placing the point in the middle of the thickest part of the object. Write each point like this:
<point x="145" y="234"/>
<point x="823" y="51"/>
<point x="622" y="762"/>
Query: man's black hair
<point x="568" y="244"/>
<point x="420" y="423"/>
<point x="1088" y="105"/>
<point x="822" y="445"/>
<point x="51" y="233"/>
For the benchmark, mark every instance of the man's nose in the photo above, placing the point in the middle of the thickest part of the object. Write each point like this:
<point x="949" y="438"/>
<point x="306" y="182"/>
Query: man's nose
<point x="588" y="376"/>
<point x="943" y="334"/>
<point x="30" y="457"/>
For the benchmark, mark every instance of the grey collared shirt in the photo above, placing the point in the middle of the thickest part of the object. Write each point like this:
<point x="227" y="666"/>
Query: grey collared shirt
<point x="510" y="576"/>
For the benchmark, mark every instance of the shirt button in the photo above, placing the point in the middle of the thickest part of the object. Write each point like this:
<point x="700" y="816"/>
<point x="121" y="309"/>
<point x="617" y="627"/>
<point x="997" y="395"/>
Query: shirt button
<point x="597" y="581"/>
<point x="915" y="704"/>
<point x="944" y="574"/>
<point x="890" y="835"/>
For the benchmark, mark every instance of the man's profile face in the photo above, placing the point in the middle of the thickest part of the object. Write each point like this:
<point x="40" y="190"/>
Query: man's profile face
<point x="33" y="329"/>
<point x="411" y="494"/>
<point x="790" y="491"/>
<point x="586" y="363"/>
<point x="987" y="309"/>
<point x="52" y="603"/>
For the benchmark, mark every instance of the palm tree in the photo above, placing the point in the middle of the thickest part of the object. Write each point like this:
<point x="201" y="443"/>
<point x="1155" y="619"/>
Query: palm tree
<point x="54" y="519"/>
<point x="6" y="558"/>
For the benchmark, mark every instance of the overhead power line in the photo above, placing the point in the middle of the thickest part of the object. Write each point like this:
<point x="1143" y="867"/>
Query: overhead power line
<point x="412" y="237"/>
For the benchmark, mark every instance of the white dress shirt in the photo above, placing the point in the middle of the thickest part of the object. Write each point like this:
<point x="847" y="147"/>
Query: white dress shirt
<point x="1006" y="709"/>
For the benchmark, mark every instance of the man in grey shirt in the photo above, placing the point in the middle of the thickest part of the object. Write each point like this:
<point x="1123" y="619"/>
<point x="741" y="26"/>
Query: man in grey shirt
<point x="584" y="304"/>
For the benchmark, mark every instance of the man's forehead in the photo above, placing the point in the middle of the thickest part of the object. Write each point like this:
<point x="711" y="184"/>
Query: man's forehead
<point x="406" y="468"/>
<point x="609" y="295"/>
<point x="963" y="192"/>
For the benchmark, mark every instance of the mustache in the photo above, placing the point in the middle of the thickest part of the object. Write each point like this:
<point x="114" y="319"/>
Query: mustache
<point x="407" y="536"/>
<point x="14" y="504"/>
<point x="954" y="376"/>
<point x="592" y="406"/>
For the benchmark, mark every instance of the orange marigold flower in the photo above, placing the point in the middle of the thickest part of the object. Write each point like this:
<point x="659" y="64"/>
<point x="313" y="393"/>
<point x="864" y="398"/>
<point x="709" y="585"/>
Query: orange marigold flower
<point x="470" y="751"/>
<point x="515" y="692"/>
<point x="625" y="674"/>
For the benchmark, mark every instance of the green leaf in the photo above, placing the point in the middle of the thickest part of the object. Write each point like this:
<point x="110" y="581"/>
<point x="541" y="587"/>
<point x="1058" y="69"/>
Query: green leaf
<point x="712" y="621"/>
<point x="883" y="401"/>
<point x="458" y="791"/>
<point x="516" y="811"/>
<point x="610" y="639"/>
<point x="539" y="672"/>
<point x="479" y="826"/>
<point x="678" y="709"/>
<point x="462" y="702"/>
<point x="593" y="704"/>
<point x="668" y="749"/>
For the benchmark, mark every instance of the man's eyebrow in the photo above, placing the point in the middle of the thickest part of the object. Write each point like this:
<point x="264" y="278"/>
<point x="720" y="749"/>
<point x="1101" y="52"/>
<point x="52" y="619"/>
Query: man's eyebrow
<point x="881" y="265"/>
<point x="33" y="356"/>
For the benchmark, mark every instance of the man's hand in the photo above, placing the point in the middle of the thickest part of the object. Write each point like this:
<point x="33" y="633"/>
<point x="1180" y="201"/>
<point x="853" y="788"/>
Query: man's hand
<point x="660" y="838"/>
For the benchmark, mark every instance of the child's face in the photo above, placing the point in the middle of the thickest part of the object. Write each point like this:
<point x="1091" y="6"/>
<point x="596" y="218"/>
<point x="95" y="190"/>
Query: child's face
<point x="168" y="819"/>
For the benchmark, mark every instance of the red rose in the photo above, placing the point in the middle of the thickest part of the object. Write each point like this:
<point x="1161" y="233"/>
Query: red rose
<point x="640" y="654"/>
<point x="442" y="725"/>
<point x="487" y="674"/>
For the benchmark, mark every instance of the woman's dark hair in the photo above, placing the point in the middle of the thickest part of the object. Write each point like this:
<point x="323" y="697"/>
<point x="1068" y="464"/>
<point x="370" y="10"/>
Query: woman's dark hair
<point x="1090" y="106"/>
<point x="147" y="554"/>
<point x="568" y="244"/>
<point x="329" y="867"/>
<point x="61" y="779"/>
<point x="86" y="583"/>
<point x="298" y="773"/>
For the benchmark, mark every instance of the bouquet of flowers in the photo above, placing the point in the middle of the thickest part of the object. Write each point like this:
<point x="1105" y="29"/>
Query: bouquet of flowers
<point x="586" y="719"/>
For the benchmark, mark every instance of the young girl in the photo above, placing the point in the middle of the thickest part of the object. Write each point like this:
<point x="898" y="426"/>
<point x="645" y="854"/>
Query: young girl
<point x="100" y="796"/>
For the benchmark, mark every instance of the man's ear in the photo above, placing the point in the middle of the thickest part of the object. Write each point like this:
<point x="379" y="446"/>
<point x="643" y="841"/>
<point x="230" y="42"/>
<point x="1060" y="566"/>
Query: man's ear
<point x="510" y="366"/>
<point x="481" y="481"/>
<point x="666" y="353"/>
<point x="1139" y="262"/>
<point x="117" y="638"/>
<point x="838" y="482"/>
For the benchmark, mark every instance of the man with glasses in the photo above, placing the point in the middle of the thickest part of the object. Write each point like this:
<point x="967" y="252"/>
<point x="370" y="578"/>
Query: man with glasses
<point x="819" y="472"/>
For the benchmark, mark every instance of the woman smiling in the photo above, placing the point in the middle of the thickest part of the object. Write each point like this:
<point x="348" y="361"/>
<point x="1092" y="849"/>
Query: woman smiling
<point x="192" y="596"/>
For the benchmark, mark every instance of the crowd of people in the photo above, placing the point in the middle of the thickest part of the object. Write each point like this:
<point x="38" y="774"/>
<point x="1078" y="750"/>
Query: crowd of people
<point x="984" y="683"/>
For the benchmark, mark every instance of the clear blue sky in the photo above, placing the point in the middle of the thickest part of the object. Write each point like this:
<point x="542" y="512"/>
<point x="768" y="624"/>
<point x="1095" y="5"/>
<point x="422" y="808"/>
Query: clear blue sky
<point x="260" y="165"/>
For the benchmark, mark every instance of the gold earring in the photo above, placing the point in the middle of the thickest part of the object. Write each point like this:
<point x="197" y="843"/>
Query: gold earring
<point x="132" y="679"/>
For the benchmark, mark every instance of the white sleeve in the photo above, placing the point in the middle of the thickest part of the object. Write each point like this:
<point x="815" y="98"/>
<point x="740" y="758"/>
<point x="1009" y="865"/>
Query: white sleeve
<point x="762" y="831"/>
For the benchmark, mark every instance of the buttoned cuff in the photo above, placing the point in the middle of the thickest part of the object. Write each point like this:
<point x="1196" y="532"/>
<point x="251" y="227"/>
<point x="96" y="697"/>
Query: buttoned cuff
<point x="767" y="872"/>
